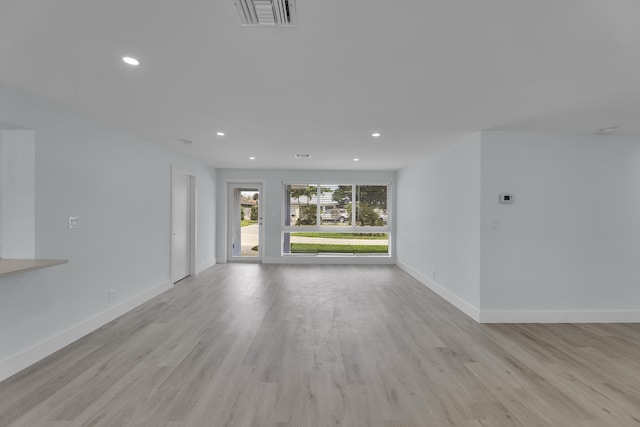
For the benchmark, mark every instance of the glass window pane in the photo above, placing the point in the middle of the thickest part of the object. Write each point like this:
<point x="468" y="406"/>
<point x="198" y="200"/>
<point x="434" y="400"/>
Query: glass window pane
<point x="249" y="230"/>
<point x="301" y="204"/>
<point x="335" y="205"/>
<point x="371" y="205"/>
<point x="336" y="243"/>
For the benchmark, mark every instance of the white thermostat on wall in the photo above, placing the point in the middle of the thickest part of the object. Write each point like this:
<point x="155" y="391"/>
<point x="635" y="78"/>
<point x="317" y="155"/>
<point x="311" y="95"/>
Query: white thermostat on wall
<point x="74" y="222"/>
<point x="506" y="198"/>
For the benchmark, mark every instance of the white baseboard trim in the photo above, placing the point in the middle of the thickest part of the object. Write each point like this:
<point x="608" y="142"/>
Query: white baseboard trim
<point x="207" y="264"/>
<point x="328" y="259"/>
<point x="560" y="316"/>
<point x="16" y="363"/>
<point x="524" y="316"/>
<point x="462" y="305"/>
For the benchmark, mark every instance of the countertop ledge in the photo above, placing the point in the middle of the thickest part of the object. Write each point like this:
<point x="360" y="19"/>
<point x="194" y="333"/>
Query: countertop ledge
<point x="9" y="267"/>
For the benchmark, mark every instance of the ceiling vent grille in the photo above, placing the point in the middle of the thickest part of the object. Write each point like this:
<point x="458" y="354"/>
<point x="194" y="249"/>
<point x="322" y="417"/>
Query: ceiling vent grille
<point x="266" y="12"/>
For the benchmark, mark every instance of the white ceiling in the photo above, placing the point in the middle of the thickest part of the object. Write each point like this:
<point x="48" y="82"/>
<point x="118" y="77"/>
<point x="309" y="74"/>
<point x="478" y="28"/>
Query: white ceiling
<point x="422" y="72"/>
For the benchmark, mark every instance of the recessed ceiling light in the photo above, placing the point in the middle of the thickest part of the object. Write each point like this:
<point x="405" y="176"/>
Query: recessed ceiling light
<point x="376" y="134"/>
<point x="220" y="133"/>
<point x="356" y="160"/>
<point x="607" y="131"/>
<point x="252" y="158"/>
<point x="130" y="60"/>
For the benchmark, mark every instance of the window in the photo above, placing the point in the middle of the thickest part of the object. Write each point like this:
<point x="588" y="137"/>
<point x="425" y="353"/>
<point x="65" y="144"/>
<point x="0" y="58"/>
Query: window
<point x="371" y="205"/>
<point x="301" y="208"/>
<point x="346" y="219"/>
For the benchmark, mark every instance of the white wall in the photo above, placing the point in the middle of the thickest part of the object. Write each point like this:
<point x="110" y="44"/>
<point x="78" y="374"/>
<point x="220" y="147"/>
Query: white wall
<point x="565" y="250"/>
<point x="571" y="239"/>
<point x="120" y="187"/>
<point x="17" y="193"/>
<point x="273" y="194"/>
<point x="438" y="225"/>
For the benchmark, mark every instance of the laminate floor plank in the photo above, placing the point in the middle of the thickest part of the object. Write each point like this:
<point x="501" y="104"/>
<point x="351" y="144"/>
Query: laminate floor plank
<point x="106" y="369"/>
<point x="317" y="345"/>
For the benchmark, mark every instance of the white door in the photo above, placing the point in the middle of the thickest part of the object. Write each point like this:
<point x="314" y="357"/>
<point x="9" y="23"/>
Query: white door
<point x="245" y="222"/>
<point x="180" y="227"/>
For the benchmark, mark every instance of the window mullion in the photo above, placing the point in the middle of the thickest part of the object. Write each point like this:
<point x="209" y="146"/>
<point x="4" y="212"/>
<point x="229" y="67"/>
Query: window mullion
<point x="318" y="194"/>
<point x="353" y="205"/>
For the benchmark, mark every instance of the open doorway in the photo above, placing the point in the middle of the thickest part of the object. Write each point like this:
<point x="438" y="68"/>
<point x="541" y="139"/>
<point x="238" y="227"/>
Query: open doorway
<point x="245" y="222"/>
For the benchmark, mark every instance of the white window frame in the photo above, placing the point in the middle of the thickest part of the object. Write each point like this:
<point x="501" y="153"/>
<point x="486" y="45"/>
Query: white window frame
<point x="332" y="228"/>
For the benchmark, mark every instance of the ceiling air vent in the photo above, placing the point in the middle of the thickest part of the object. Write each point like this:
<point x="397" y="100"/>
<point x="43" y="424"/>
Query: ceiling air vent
<point x="266" y="12"/>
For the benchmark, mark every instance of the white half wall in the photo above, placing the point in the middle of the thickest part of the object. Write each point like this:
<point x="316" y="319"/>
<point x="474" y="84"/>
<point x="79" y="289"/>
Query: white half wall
<point x="120" y="187"/>
<point x="438" y="223"/>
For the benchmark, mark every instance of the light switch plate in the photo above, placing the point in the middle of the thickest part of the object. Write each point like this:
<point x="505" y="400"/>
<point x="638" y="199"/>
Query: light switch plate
<point x="74" y="222"/>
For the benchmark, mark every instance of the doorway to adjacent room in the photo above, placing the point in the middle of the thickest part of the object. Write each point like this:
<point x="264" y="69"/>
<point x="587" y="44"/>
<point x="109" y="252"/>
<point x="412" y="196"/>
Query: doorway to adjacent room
<point x="183" y="224"/>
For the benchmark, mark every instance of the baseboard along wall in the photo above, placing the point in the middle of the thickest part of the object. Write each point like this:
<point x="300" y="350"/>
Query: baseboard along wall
<point x="16" y="363"/>
<point x="207" y="264"/>
<point x="462" y="305"/>
<point x="523" y="316"/>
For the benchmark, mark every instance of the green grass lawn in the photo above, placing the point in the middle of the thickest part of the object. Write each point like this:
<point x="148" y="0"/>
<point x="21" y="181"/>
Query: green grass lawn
<point x="374" y="236"/>
<point x="245" y="222"/>
<point x="306" y="248"/>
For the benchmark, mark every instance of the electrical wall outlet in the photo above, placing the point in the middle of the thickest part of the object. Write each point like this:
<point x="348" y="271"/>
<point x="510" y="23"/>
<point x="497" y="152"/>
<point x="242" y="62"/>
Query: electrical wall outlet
<point x="111" y="295"/>
<point x="505" y="198"/>
<point x="433" y="273"/>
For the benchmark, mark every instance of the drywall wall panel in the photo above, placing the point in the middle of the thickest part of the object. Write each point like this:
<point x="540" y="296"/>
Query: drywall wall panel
<point x="119" y="186"/>
<point x="438" y="224"/>
<point x="571" y="238"/>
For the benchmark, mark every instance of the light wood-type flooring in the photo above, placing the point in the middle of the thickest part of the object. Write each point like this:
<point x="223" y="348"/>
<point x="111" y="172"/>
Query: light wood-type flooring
<point x="294" y="345"/>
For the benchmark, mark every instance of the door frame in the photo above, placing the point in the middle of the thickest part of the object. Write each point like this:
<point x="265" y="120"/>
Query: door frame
<point x="192" y="209"/>
<point x="229" y="202"/>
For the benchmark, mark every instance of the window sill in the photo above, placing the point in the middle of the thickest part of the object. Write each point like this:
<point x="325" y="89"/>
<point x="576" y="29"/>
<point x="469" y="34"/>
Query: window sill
<point x="346" y="259"/>
<point x="336" y="255"/>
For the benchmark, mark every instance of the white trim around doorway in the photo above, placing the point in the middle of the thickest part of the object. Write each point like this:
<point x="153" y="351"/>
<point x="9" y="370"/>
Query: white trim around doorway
<point x="192" y="220"/>
<point x="248" y="183"/>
